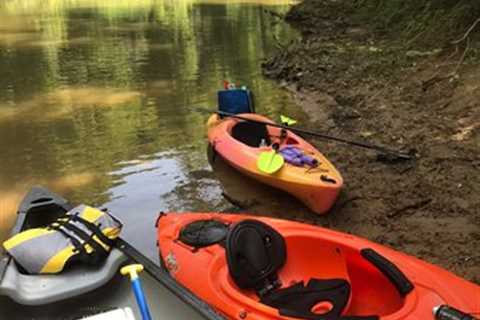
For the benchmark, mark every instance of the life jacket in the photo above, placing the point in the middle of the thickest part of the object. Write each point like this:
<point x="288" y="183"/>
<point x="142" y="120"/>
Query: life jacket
<point x="83" y="234"/>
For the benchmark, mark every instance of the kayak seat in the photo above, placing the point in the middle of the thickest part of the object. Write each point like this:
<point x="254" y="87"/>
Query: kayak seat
<point x="250" y="133"/>
<point x="256" y="252"/>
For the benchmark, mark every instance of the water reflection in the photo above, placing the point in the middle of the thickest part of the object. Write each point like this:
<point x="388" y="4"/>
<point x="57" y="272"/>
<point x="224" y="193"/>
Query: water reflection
<point x="95" y="96"/>
<point x="8" y="205"/>
<point x="86" y="86"/>
<point x="64" y="102"/>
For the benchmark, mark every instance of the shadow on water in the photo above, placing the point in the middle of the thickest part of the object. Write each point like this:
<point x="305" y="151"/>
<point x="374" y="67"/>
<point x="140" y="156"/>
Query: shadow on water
<point x="95" y="96"/>
<point x="249" y="196"/>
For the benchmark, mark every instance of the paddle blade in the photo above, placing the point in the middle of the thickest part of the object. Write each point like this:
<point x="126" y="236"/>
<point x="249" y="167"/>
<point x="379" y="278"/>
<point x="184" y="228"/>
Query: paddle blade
<point x="269" y="162"/>
<point x="287" y="121"/>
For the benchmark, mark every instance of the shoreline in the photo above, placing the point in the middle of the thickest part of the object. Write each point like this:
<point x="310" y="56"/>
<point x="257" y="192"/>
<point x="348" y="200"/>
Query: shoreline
<point x="363" y="86"/>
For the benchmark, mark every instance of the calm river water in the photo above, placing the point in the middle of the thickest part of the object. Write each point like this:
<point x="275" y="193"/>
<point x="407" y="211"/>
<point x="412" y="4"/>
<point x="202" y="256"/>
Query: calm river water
<point x="96" y="96"/>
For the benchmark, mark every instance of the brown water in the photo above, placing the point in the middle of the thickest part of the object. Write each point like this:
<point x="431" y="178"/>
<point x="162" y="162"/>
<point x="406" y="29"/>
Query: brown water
<point x="95" y="96"/>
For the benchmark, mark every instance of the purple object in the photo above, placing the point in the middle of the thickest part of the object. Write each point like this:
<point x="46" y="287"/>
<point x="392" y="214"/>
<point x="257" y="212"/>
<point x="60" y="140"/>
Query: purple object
<point x="296" y="157"/>
<point x="289" y="158"/>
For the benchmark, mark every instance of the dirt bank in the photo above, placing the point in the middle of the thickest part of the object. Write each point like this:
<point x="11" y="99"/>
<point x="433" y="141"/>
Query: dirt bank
<point x="372" y="86"/>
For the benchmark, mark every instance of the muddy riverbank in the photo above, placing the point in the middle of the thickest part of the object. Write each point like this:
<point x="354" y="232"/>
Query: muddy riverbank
<point x="371" y="86"/>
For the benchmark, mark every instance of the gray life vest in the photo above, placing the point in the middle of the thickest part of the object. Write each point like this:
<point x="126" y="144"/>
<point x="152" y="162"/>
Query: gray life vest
<point x="83" y="234"/>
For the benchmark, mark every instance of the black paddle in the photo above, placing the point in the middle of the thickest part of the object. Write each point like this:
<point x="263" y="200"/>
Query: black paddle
<point x="399" y="154"/>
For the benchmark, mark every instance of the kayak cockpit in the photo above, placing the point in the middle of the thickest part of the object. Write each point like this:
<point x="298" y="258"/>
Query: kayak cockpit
<point x="251" y="133"/>
<point x="372" y="289"/>
<point x="314" y="276"/>
<point x="372" y="292"/>
<point x="299" y="275"/>
<point x="255" y="135"/>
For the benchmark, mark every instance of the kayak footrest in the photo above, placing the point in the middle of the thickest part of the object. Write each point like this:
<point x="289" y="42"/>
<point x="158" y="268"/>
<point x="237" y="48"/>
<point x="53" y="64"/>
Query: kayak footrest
<point x="390" y="270"/>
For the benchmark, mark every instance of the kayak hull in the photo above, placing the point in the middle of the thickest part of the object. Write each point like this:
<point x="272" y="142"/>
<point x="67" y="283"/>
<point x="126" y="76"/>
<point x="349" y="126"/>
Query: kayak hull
<point x="312" y="253"/>
<point x="317" y="188"/>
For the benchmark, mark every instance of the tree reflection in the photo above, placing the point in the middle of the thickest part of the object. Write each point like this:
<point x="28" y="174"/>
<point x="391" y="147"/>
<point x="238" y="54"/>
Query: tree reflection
<point x="86" y="84"/>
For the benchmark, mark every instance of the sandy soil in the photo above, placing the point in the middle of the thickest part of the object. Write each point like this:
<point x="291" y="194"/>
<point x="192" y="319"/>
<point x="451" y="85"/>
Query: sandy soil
<point x="359" y="85"/>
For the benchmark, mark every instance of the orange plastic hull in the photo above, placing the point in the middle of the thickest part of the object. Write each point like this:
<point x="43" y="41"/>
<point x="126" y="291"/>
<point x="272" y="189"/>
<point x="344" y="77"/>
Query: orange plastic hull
<point x="304" y="184"/>
<point x="313" y="252"/>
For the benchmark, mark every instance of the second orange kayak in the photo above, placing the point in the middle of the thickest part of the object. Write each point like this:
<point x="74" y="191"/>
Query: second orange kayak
<point x="241" y="142"/>
<point x="257" y="268"/>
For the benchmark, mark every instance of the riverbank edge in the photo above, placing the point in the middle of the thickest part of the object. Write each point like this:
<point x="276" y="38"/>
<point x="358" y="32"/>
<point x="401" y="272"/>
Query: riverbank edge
<point x="356" y="83"/>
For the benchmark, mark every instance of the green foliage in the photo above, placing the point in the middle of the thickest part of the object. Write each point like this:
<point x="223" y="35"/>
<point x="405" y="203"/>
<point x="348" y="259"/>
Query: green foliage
<point x="427" y="20"/>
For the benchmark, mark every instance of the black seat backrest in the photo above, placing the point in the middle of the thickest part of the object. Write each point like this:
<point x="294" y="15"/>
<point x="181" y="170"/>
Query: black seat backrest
<point x="251" y="133"/>
<point x="255" y="253"/>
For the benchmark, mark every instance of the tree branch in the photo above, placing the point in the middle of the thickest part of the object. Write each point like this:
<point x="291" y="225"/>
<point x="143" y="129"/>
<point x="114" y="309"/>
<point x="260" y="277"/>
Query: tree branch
<point x="465" y="36"/>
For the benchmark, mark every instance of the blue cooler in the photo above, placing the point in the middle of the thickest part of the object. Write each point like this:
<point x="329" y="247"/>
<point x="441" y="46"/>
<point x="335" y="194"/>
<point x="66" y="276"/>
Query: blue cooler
<point x="235" y="101"/>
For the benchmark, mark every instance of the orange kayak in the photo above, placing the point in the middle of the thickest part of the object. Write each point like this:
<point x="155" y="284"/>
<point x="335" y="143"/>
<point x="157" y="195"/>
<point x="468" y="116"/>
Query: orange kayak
<point x="239" y="143"/>
<point x="261" y="268"/>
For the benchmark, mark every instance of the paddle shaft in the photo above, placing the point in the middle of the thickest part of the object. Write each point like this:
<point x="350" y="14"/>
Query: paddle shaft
<point x="317" y="134"/>
<point x="141" y="299"/>
<point x="274" y="149"/>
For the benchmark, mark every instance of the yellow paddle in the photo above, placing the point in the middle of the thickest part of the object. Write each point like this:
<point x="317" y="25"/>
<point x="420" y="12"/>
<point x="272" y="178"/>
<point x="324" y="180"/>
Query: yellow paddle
<point x="270" y="161"/>
<point x="287" y="121"/>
